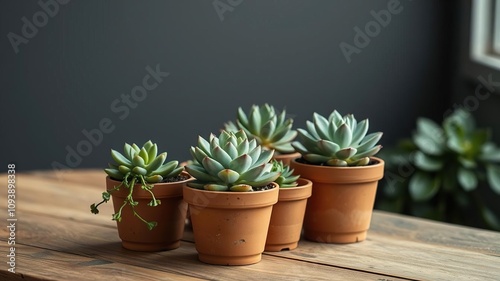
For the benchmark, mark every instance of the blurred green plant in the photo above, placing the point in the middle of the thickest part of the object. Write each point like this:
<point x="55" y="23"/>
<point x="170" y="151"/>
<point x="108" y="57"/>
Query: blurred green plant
<point x="437" y="173"/>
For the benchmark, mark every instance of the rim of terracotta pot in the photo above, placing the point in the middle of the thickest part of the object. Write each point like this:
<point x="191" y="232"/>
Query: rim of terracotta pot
<point x="352" y="174"/>
<point x="219" y="199"/>
<point x="161" y="189"/>
<point x="286" y="157"/>
<point x="301" y="191"/>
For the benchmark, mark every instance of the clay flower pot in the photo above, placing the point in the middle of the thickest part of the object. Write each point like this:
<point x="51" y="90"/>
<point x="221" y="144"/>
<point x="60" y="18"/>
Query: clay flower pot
<point x="341" y="205"/>
<point x="287" y="217"/>
<point x="286" y="158"/>
<point x="170" y="216"/>
<point x="230" y="228"/>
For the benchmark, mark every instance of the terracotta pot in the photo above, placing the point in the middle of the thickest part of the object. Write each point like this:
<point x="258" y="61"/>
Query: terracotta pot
<point x="286" y="158"/>
<point x="230" y="228"/>
<point x="170" y="216"/>
<point x="287" y="217"/>
<point x="341" y="205"/>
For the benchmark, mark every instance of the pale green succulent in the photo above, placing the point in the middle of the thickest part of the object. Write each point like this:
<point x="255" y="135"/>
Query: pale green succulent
<point x="138" y="165"/>
<point x="287" y="178"/>
<point x="144" y="164"/>
<point x="270" y="129"/>
<point x="230" y="162"/>
<point x="337" y="141"/>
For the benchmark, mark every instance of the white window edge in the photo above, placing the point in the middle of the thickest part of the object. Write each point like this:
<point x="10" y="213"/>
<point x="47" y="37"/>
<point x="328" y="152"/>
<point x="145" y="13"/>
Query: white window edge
<point x="481" y="41"/>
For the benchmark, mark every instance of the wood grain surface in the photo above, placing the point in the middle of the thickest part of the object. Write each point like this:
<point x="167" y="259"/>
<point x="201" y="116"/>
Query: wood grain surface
<point x="57" y="238"/>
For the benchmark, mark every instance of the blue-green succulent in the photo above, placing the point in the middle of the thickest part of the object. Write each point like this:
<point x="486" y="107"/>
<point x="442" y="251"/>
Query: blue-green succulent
<point x="337" y="141"/>
<point x="287" y="178"/>
<point x="271" y="129"/>
<point x="230" y="162"/>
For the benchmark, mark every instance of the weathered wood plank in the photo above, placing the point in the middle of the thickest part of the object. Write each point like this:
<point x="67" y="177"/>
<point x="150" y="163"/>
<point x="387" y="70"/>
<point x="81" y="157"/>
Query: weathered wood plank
<point x="436" y="233"/>
<point x="42" y="264"/>
<point x="80" y="176"/>
<point x="101" y="243"/>
<point x="53" y="197"/>
<point x="406" y="259"/>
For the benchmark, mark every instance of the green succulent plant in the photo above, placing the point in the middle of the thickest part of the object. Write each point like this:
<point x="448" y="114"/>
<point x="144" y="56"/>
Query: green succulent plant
<point x="271" y="129"/>
<point x="337" y="141"/>
<point x="287" y="178"/>
<point x="447" y="164"/>
<point x="230" y="162"/>
<point x="138" y="165"/>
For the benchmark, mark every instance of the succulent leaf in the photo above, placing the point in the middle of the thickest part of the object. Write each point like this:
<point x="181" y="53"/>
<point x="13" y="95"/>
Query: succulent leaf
<point x="241" y="188"/>
<point x="120" y="159"/>
<point x="422" y="186"/>
<point x="124" y="169"/>
<point x="346" y="153"/>
<point x="467" y="179"/>
<point x="215" y="187"/>
<point x="221" y="156"/>
<point x="328" y="148"/>
<point x="241" y="163"/>
<point x="140" y="171"/>
<point x="336" y="162"/>
<point x="113" y="173"/>
<point x="153" y="152"/>
<point x="156" y="162"/>
<point x="493" y="175"/>
<point x="200" y="173"/>
<point x="154" y="179"/>
<point x="128" y="151"/>
<point x="228" y="176"/>
<point x="147" y="145"/>
<point x="212" y="166"/>
<point x="136" y="149"/>
<point x="427" y="163"/>
<point x="360" y="131"/>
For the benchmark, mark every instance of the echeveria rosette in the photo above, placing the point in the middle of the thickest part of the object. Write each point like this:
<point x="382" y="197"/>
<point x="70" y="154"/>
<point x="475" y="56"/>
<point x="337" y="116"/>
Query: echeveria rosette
<point x="230" y="162"/>
<point x="451" y="154"/>
<point x="287" y="178"/>
<point x="337" y="141"/>
<point x="138" y="165"/>
<point x="143" y="164"/>
<point x="271" y="129"/>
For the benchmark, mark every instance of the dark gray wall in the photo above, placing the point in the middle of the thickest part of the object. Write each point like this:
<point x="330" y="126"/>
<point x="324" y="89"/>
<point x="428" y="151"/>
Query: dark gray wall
<point x="67" y="76"/>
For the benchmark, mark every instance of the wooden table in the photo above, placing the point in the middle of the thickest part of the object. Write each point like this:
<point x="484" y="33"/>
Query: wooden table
<point x="57" y="238"/>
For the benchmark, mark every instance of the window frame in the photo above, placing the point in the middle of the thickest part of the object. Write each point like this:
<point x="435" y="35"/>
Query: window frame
<point x="485" y="33"/>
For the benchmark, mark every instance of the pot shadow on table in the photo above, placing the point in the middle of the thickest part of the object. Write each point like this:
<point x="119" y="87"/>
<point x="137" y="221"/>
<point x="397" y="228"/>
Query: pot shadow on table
<point x="114" y="252"/>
